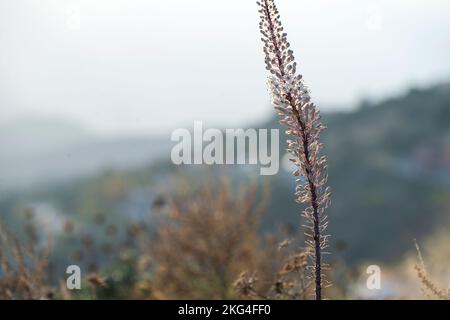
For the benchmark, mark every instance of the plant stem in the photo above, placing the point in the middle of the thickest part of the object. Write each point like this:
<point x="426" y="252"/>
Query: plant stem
<point x="306" y="165"/>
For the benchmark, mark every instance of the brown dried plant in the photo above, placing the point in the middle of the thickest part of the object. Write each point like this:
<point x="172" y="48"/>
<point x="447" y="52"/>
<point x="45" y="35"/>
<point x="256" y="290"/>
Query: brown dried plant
<point x="429" y="287"/>
<point x="206" y="237"/>
<point x="290" y="281"/>
<point x="291" y="99"/>
<point x="23" y="268"/>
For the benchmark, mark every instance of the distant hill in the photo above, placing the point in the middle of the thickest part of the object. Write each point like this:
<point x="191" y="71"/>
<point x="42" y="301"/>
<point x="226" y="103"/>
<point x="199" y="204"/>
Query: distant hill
<point x="41" y="152"/>
<point x="389" y="170"/>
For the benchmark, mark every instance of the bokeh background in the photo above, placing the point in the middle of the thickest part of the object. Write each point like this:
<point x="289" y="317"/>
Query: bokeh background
<point x="91" y="91"/>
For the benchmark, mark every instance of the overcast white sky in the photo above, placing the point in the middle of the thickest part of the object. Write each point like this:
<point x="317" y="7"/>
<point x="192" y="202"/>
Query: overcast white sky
<point x="129" y="66"/>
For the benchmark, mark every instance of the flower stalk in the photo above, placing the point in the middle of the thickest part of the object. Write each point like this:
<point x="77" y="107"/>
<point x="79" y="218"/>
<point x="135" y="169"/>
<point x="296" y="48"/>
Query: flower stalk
<point x="291" y="99"/>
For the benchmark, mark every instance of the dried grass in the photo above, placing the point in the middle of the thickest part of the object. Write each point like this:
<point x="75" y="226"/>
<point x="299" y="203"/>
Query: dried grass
<point x="23" y="268"/>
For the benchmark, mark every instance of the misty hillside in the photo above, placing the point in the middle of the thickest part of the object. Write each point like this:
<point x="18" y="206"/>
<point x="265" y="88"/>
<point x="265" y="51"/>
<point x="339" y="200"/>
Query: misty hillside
<point x="389" y="170"/>
<point x="42" y="152"/>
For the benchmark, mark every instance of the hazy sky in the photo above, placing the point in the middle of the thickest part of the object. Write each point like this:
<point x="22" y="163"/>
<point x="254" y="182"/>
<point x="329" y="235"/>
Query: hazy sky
<point x="128" y="66"/>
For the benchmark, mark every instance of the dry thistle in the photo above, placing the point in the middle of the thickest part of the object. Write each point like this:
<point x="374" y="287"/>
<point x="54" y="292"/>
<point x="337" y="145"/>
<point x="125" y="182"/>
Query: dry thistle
<point x="291" y="99"/>
<point x="245" y="285"/>
<point x="68" y="227"/>
<point x="96" y="280"/>
<point x="289" y="282"/>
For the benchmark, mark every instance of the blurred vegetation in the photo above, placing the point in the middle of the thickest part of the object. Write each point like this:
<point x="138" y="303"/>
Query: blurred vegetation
<point x="147" y="234"/>
<point x="389" y="170"/>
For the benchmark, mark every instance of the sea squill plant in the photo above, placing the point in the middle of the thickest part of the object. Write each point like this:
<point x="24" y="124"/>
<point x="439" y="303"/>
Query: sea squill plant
<point x="291" y="99"/>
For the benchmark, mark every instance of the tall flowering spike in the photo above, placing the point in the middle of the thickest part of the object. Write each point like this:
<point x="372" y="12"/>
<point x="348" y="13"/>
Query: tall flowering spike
<point x="290" y="97"/>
